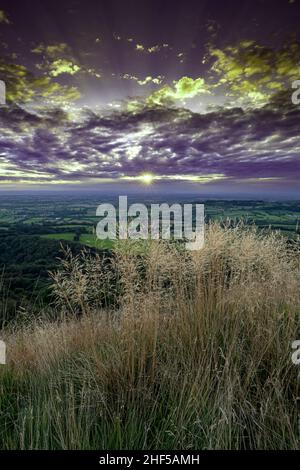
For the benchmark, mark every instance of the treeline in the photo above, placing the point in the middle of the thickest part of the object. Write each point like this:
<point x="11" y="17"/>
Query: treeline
<point x="39" y="229"/>
<point x="25" y="261"/>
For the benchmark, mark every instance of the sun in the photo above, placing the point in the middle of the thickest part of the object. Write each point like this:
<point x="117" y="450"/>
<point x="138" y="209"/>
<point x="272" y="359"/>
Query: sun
<point x="147" y="178"/>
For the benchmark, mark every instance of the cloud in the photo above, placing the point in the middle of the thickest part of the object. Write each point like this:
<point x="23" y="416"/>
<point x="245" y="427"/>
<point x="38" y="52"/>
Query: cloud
<point x="182" y="89"/>
<point x="151" y="49"/>
<point x="144" y="81"/>
<point x="172" y="144"/>
<point x="57" y="59"/>
<point x="142" y="48"/>
<point x="61" y="66"/>
<point x="22" y="86"/>
<point x="3" y="17"/>
<point x="252" y="74"/>
<point x="52" y="51"/>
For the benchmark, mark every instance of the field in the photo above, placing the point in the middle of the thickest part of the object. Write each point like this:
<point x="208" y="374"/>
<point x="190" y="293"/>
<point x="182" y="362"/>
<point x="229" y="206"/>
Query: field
<point x="79" y="213"/>
<point x="69" y="236"/>
<point x="33" y="229"/>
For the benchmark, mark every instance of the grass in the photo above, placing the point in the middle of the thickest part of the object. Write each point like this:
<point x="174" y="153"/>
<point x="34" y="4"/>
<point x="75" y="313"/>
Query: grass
<point x="69" y="236"/>
<point x="87" y="239"/>
<point x="33" y="220"/>
<point x="94" y="242"/>
<point x="191" y="350"/>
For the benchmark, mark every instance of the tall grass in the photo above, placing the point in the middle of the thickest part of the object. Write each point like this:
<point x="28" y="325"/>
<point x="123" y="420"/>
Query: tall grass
<point x="159" y="348"/>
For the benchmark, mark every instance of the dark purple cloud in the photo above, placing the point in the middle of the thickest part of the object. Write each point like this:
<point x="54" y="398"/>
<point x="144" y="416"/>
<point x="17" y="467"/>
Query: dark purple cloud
<point x="233" y="143"/>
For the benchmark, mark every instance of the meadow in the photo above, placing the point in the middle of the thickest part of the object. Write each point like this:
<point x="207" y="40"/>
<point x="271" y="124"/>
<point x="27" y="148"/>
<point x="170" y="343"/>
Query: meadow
<point x="160" y="348"/>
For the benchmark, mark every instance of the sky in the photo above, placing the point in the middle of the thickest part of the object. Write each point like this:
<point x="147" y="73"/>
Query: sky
<point x="179" y="96"/>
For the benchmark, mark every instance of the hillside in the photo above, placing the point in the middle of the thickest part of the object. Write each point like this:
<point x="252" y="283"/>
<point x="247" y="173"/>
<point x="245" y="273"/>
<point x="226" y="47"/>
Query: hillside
<point x="193" y="353"/>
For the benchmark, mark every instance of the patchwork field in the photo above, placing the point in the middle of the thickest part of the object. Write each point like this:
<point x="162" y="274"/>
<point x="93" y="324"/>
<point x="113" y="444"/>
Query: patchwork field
<point x="33" y="231"/>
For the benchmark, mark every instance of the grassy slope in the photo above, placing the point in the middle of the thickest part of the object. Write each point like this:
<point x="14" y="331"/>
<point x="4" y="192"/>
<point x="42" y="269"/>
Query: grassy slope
<point x="196" y="353"/>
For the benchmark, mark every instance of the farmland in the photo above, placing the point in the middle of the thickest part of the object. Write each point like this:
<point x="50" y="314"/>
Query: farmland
<point x="34" y="229"/>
